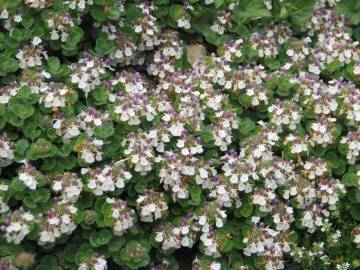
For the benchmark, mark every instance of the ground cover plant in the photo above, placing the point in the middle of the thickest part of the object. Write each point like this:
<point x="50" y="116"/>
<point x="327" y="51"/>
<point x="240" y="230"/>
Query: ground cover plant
<point x="164" y="134"/>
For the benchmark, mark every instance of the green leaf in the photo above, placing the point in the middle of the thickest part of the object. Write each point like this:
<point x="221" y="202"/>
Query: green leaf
<point x="31" y="131"/>
<point x="2" y="109"/>
<point x="176" y="11"/>
<point x="105" y="131"/>
<point x="247" y="209"/>
<point x="48" y="164"/>
<point x="69" y="252"/>
<point x="48" y="262"/>
<point x="351" y="10"/>
<point x="65" y="149"/>
<point x="218" y="3"/>
<point x="7" y="64"/>
<point x="161" y="2"/>
<point x="54" y="64"/>
<point x="133" y="12"/>
<point x="355" y="211"/>
<point x="283" y="86"/>
<point x="241" y="30"/>
<point x="341" y="168"/>
<point x="34" y="231"/>
<point x="2" y="122"/>
<point x="224" y="237"/>
<point x="41" y="195"/>
<point x="74" y="37"/>
<point x="350" y="180"/>
<point x="41" y="149"/>
<point x="21" y="109"/>
<point x="84" y="253"/>
<point x="134" y="255"/>
<point x="19" y="34"/>
<point x="303" y="11"/>
<point x="353" y="194"/>
<point x="140" y="186"/>
<point x="206" y="134"/>
<point x="271" y="63"/>
<point x="17" y="185"/>
<point x="252" y="9"/>
<point x="334" y="66"/>
<point x="100" y="238"/>
<point x="343" y="148"/>
<point x="116" y="244"/>
<point x="246" y="125"/>
<point x="196" y="193"/>
<point x="27" y="20"/>
<point x="113" y="14"/>
<point x="100" y="96"/>
<point x="21" y="146"/>
<point x="103" y="46"/>
<point x="14" y="120"/>
<point x="203" y="22"/>
<point x="98" y="13"/>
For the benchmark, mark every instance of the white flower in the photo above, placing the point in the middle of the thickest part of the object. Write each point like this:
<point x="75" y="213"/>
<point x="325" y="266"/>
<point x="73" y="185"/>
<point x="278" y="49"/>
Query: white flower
<point x="138" y="28"/>
<point x="17" y="18"/>
<point x="184" y="23"/>
<point x="357" y="70"/>
<point x="215" y="266"/>
<point x="100" y="264"/>
<point x="46" y="237"/>
<point x="28" y="180"/>
<point x="314" y="69"/>
<point x="3" y="206"/>
<point x="36" y="41"/>
<point x="260" y="200"/>
<point x="88" y="157"/>
<point x="4" y="14"/>
<point x="159" y="237"/>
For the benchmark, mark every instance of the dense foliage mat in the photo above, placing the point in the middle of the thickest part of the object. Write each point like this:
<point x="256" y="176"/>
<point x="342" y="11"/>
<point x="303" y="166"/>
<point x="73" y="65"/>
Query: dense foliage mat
<point x="164" y="134"/>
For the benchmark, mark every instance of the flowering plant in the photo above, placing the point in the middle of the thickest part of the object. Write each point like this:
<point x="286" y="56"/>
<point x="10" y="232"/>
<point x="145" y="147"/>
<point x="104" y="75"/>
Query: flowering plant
<point x="199" y="134"/>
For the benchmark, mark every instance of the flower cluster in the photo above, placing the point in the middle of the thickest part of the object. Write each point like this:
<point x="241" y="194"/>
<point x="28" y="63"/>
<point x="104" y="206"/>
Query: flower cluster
<point x="352" y="143"/>
<point x="106" y="179"/>
<point x="37" y="4"/>
<point x="79" y="4"/>
<point x="29" y="175"/>
<point x="356" y="233"/>
<point x="268" y="244"/>
<point x="60" y="25"/>
<point x="68" y="186"/>
<point x="56" y="96"/>
<point x="16" y="226"/>
<point x="191" y="227"/>
<point x="123" y="217"/>
<point x="89" y="149"/>
<point x="86" y="75"/>
<point x="6" y="150"/>
<point x="96" y="262"/>
<point x="151" y="206"/>
<point x="56" y="222"/>
<point x="3" y="205"/>
<point x="32" y="54"/>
